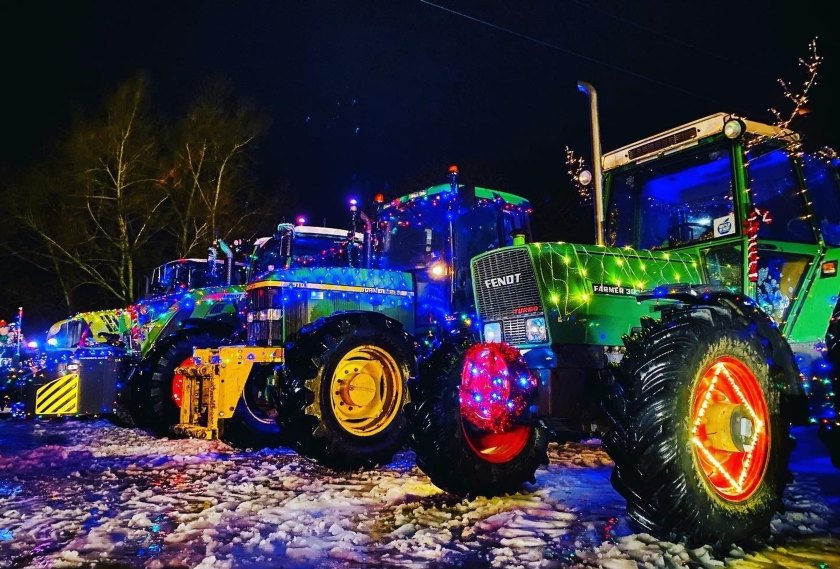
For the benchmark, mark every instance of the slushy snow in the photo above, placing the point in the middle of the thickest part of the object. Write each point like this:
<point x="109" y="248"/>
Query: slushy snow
<point x="83" y="493"/>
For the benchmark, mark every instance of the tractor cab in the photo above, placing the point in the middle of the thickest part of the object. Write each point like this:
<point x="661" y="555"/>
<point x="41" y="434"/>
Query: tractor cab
<point x="761" y="217"/>
<point x="433" y="234"/>
<point x="185" y="274"/>
<point x="305" y="246"/>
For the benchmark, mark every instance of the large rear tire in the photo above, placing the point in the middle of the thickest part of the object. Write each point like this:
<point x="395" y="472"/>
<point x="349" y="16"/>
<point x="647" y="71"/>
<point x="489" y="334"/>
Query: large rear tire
<point x="457" y="456"/>
<point x="698" y="439"/>
<point x="341" y="401"/>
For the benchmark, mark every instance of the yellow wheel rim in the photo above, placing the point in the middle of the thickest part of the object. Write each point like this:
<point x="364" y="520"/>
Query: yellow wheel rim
<point x="366" y="390"/>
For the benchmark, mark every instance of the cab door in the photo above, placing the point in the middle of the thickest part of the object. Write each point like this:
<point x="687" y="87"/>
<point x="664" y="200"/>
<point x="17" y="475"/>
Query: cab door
<point x="786" y="241"/>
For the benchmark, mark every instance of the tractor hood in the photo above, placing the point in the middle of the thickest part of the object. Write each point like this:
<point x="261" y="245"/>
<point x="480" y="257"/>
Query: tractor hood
<point x="575" y="293"/>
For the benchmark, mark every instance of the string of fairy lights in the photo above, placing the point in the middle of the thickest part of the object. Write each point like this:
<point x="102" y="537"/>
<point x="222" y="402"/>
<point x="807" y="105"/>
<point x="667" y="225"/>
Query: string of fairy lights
<point x="567" y="271"/>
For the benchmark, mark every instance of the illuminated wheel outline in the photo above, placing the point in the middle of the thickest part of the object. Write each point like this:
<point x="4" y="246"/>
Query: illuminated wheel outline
<point x="366" y="390"/>
<point x="495" y="387"/>
<point x="733" y="475"/>
<point x="178" y="381"/>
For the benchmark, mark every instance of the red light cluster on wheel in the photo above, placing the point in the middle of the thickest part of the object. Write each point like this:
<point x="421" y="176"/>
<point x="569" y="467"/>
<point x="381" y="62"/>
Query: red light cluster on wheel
<point x="496" y="386"/>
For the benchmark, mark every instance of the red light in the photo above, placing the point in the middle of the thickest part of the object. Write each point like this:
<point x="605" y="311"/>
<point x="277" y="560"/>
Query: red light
<point x="178" y="381"/>
<point x="496" y="386"/>
<point x="379" y="198"/>
<point x="453" y="169"/>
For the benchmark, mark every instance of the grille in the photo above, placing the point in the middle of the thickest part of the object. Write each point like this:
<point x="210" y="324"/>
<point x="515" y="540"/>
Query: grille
<point x="514" y="331"/>
<point x="505" y="284"/>
<point x="265" y="316"/>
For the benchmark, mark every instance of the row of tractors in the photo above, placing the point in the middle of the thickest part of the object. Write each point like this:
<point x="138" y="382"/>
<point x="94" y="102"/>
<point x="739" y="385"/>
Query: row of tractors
<point x="701" y="325"/>
<point x="369" y="300"/>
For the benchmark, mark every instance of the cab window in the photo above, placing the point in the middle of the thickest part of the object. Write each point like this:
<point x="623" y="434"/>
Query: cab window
<point x="672" y="202"/>
<point x="824" y="191"/>
<point x="774" y="188"/>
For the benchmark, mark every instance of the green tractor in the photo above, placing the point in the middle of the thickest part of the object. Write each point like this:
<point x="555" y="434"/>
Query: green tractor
<point x="701" y="325"/>
<point x="114" y="362"/>
<point x="335" y="333"/>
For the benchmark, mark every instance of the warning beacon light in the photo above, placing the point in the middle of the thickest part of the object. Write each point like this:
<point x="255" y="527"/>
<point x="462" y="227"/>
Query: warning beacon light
<point x="452" y="174"/>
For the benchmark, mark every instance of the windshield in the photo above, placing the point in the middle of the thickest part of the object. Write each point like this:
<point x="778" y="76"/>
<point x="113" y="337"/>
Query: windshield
<point x="327" y="249"/>
<point x="415" y="236"/>
<point x="412" y="235"/>
<point x="673" y="202"/>
<point x="186" y="274"/>
<point x="66" y="334"/>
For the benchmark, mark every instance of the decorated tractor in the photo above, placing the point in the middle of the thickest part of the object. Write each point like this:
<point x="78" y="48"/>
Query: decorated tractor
<point x="331" y="347"/>
<point x="702" y="325"/>
<point x="107" y="362"/>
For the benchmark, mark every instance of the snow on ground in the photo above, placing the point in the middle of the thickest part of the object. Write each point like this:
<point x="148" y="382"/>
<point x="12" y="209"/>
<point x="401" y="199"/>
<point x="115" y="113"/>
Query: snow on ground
<point x="88" y="494"/>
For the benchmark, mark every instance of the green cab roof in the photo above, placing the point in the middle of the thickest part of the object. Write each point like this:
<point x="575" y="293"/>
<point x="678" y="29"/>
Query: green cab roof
<point x="482" y="193"/>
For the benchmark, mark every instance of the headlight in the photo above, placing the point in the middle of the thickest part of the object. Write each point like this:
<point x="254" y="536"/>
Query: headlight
<point x="438" y="270"/>
<point x="493" y="332"/>
<point x="535" y="329"/>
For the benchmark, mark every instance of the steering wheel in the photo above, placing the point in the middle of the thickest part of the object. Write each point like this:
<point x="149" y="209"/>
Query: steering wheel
<point x="800" y="229"/>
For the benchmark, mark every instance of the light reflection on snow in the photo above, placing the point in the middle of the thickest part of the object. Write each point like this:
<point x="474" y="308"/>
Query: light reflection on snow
<point x="76" y="493"/>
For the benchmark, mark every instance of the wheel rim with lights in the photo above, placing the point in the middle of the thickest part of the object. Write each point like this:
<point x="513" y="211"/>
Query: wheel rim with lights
<point x="730" y="435"/>
<point x="495" y="388"/>
<point x="178" y="381"/>
<point x="366" y="390"/>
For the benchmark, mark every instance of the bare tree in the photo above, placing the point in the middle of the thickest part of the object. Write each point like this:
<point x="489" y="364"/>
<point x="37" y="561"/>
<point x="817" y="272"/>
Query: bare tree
<point x="210" y="187"/>
<point x="102" y="209"/>
<point x="96" y="215"/>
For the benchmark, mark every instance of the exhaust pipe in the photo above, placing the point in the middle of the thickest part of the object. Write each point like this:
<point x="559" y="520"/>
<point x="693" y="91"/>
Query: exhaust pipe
<point x="228" y="260"/>
<point x="589" y="91"/>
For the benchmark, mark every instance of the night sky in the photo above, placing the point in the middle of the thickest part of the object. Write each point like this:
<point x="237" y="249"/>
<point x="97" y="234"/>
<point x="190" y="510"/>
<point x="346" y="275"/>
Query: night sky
<point x="382" y="96"/>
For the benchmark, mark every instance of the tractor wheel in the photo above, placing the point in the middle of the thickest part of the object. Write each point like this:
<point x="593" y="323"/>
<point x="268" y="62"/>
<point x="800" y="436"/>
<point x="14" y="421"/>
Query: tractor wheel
<point x="165" y="387"/>
<point x="121" y="417"/>
<point x="698" y="439"/>
<point x="254" y="421"/>
<point x="458" y="456"/>
<point x="340" y="401"/>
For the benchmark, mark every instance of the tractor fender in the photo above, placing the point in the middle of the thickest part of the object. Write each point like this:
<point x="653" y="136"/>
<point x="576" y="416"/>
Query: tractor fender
<point x="220" y="328"/>
<point x="781" y="358"/>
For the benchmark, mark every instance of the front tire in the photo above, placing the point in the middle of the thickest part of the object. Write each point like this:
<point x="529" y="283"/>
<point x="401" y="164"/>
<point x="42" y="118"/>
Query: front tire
<point x="455" y="455"/>
<point x="698" y="439"/>
<point x="341" y="401"/>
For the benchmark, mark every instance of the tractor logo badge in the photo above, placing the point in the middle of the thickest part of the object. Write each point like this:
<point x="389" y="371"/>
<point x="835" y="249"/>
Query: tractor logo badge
<point x="724" y="225"/>
<point x="502" y="281"/>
